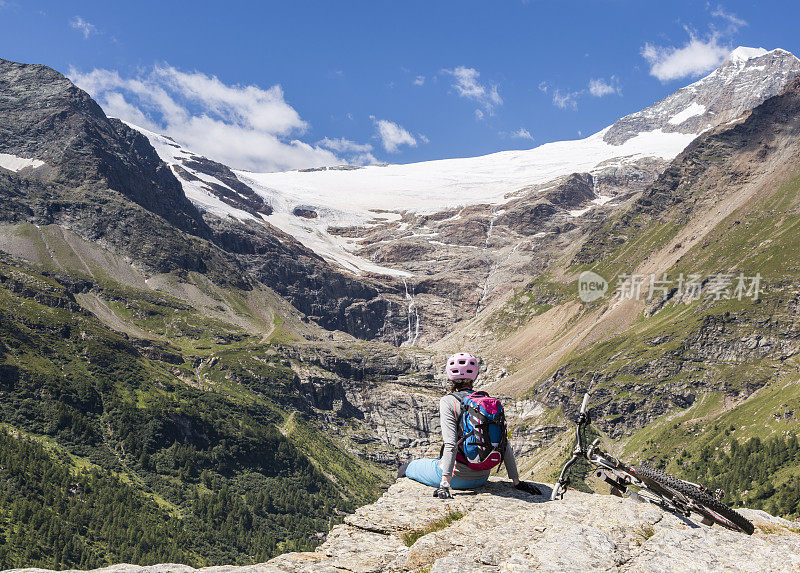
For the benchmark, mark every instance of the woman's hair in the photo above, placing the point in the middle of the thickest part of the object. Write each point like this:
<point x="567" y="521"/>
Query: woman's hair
<point x="461" y="384"/>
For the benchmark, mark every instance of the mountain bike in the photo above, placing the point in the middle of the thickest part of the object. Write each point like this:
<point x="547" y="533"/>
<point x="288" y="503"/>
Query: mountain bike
<point x="678" y="496"/>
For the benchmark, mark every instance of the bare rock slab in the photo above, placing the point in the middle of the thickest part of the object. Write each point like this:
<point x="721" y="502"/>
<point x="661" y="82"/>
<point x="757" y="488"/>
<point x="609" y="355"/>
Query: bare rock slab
<point x="504" y="530"/>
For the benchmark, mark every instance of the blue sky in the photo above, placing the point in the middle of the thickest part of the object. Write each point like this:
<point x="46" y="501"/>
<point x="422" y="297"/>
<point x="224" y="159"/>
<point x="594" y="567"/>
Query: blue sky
<point x="268" y="85"/>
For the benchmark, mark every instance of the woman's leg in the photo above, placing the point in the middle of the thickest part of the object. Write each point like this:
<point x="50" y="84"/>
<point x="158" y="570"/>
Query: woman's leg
<point x="457" y="483"/>
<point x="426" y="471"/>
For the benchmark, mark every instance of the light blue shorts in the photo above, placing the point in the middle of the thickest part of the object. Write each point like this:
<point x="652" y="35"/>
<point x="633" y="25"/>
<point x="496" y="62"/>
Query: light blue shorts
<point x="427" y="471"/>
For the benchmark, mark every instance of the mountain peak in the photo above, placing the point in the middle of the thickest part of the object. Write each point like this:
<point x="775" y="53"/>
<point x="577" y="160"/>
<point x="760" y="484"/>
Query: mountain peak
<point x="743" y="53"/>
<point x="747" y="77"/>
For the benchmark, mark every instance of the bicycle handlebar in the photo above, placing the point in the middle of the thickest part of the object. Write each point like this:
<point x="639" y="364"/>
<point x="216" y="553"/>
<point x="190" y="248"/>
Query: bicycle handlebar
<point x="585" y="403"/>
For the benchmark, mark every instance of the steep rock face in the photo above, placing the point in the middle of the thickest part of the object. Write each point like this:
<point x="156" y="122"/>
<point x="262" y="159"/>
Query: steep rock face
<point x="505" y="530"/>
<point x="728" y="157"/>
<point x="232" y="192"/>
<point x="46" y="117"/>
<point x="387" y="401"/>
<point x="575" y="192"/>
<point x="333" y="299"/>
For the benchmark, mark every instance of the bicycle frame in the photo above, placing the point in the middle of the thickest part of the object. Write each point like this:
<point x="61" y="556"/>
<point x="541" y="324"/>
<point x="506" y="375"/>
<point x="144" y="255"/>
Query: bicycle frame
<point x="595" y="456"/>
<point x="673" y="497"/>
<point x="614" y="472"/>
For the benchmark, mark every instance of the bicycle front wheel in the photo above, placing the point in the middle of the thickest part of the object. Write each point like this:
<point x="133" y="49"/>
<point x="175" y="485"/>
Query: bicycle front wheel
<point x="702" y="503"/>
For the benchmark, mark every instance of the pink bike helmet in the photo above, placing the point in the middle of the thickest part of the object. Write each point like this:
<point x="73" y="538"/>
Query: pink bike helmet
<point x="462" y="366"/>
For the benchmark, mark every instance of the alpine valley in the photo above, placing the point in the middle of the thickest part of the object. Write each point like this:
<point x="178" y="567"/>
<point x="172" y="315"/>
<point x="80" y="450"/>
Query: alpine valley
<point x="210" y="366"/>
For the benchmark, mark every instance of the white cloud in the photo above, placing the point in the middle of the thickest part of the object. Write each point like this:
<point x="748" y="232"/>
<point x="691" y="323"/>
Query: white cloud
<point x="564" y="100"/>
<point x="479" y="114"/>
<point x="467" y="86"/>
<point x="246" y="127"/>
<point x="694" y="58"/>
<point x="423" y="138"/>
<point x="392" y="135"/>
<point x="116" y="105"/>
<point x="698" y="55"/>
<point x="355" y="153"/>
<point x="522" y="133"/>
<point x="599" y="87"/>
<point x="363" y="159"/>
<point x="86" y="28"/>
<point x="734" y="21"/>
<point x="419" y="80"/>
<point x="341" y="144"/>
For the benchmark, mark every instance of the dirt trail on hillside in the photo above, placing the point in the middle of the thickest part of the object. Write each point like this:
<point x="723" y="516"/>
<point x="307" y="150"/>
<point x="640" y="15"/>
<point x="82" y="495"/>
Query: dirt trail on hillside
<point x="98" y="307"/>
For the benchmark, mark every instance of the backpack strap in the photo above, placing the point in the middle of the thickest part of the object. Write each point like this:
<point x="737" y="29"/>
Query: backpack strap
<point x="460" y="396"/>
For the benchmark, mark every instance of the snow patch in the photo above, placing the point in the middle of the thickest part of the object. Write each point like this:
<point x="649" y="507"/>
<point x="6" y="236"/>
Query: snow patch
<point x="691" y="111"/>
<point x="579" y="212"/>
<point x="332" y="248"/>
<point x="351" y="198"/>
<point x="15" y="163"/>
<point x="168" y="150"/>
<point x="743" y="54"/>
<point x="602" y="199"/>
<point x="203" y="199"/>
<point x="434" y="186"/>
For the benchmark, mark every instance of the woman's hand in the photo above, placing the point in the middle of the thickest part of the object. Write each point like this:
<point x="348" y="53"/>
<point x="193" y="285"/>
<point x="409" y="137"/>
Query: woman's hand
<point x="443" y="493"/>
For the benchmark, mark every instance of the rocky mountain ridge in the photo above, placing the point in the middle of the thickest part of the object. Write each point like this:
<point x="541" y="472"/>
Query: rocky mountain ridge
<point x="736" y="86"/>
<point x="747" y="158"/>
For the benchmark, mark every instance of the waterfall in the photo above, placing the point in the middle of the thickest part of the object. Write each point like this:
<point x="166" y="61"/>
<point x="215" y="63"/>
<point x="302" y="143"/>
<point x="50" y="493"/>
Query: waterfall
<point x="489" y="231"/>
<point x="492" y="267"/>
<point x="413" y="317"/>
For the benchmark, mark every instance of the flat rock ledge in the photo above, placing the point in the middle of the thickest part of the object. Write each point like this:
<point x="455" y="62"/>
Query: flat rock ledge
<point x="504" y="530"/>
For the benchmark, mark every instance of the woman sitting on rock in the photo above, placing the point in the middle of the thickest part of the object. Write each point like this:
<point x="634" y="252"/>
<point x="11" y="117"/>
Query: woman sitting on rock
<point x="454" y="469"/>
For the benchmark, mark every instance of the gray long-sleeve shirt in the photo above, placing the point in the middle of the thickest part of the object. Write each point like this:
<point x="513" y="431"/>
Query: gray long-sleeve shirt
<point x="449" y="413"/>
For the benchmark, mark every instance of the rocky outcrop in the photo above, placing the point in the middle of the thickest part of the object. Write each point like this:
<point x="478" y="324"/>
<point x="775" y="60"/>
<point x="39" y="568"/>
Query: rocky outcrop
<point x="388" y="400"/>
<point x="44" y="116"/>
<point x="304" y="212"/>
<point x="528" y="218"/>
<point x="497" y="528"/>
<point x="230" y="189"/>
<point x="574" y="192"/>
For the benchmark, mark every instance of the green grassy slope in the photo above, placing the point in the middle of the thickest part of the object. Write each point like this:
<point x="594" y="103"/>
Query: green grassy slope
<point x="686" y="384"/>
<point x="187" y="428"/>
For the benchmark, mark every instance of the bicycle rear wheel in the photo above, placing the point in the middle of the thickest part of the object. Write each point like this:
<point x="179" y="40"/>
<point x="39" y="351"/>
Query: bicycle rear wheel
<point x="704" y="504"/>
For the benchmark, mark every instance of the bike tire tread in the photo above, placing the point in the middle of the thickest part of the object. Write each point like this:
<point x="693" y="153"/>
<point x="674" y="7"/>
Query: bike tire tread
<point x="700" y="497"/>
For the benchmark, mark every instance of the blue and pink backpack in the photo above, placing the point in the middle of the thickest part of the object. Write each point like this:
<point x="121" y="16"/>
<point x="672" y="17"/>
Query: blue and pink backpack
<point x="481" y="430"/>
